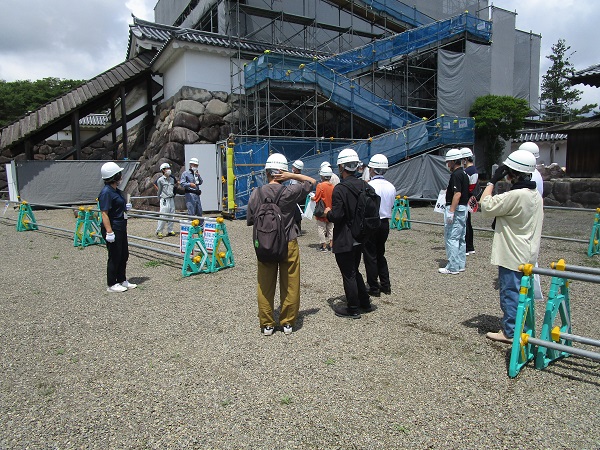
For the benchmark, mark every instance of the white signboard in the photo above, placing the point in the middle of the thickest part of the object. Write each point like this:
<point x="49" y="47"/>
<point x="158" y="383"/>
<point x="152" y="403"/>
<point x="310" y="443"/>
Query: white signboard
<point x="210" y="230"/>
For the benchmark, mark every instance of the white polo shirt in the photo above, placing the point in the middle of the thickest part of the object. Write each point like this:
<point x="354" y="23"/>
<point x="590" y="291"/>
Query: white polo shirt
<point x="387" y="192"/>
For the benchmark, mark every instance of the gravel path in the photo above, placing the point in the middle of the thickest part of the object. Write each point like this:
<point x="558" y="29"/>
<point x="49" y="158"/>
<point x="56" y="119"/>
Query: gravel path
<point x="180" y="363"/>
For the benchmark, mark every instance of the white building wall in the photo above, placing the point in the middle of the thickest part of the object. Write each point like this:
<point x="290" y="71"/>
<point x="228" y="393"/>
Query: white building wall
<point x="197" y="69"/>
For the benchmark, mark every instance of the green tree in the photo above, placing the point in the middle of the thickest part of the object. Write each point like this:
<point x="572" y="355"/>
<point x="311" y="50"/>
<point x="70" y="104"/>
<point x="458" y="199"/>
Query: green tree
<point x="558" y="96"/>
<point x="497" y="119"/>
<point x="19" y="97"/>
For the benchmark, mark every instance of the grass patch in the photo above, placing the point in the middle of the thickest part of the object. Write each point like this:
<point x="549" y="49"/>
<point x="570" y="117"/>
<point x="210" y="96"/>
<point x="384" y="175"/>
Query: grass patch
<point x="402" y="428"/>
<point x="60" y="351"/>
<point x="330" y="361"/>
<point x="285" y="400"/>
<point x="45" y="389"/>
<point x="225" y="403"/>
<point x="152" y="263"/>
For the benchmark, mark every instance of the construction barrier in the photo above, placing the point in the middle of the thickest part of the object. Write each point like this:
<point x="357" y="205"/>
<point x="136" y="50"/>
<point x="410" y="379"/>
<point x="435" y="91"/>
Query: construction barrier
<point x="400" y="214"/>
<point x="87" y="228"/>
<point x="555" y="340"/>
<point x="26" y="220"/>
<point x="208" y="248"/>
<point x="594" y="245"/>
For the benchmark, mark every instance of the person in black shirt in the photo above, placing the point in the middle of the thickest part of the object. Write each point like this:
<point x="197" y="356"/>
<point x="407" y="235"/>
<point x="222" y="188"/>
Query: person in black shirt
<point x="455" y="215"/>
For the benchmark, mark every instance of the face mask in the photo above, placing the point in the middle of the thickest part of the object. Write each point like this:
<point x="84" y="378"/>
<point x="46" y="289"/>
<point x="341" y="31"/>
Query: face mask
<point x="167" y="172"/>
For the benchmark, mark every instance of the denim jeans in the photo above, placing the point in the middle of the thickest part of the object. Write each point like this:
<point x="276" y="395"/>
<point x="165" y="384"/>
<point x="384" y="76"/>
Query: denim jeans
<point x="510" y="284"/>
<point x="454" y="236"/>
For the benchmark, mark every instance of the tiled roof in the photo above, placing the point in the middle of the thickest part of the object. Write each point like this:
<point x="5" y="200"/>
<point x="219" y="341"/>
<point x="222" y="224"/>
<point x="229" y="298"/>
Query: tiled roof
<point x="162" y="34"/>
<point x="61" y="106"/>
<point x="584" y="124"/>
<point x="538" y="136"/>
<point x="94" y="120"/>
<point x="589" y="76"/>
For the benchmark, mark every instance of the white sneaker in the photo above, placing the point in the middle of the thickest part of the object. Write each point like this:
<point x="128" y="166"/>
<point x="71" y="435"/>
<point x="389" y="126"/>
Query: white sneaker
<point x="287" y="329"/>
<point x="116" y="288"/>
<point x="462" y="270"/>
<point x="128" y="285"/>
<point x="268" y="331"/>
<point x="446" y="271"/>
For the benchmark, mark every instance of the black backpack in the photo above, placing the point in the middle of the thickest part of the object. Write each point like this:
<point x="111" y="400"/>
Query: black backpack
<point x="268" y="232"/>
<point x="366" y="216"/>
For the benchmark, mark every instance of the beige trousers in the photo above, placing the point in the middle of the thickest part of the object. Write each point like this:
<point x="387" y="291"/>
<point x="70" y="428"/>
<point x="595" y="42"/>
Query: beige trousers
<point x="289" y="288"/>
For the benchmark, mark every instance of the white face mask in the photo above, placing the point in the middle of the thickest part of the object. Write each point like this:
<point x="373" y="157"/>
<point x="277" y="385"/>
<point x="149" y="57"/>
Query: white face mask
<point x="167" y="172"/>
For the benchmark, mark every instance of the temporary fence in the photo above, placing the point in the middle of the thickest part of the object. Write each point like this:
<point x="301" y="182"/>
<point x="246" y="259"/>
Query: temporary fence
<point x="205" y="249"/>
<point x="556" y="338"/>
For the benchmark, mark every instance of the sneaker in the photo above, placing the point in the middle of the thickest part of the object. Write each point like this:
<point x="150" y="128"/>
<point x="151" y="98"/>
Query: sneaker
<point x="171" y="233"/>
<point x="472" y="252"/>
<point x="268" y="331"/>
<point x="160" y="235"/>
<point x="462" y="270"/>
<point x="499" y="337"/>
<point x="323" y="249"/>
<point x="346" y="312"/>
<point x="126" y="284"/>
<point x="446" y="271"/>
<point x="287" y="329"/>
<point x="116" y="288"/>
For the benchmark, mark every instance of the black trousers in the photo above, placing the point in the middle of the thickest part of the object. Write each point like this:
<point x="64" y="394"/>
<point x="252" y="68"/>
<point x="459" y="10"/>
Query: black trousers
<point x="378" y="275"/>
<point x="469" y="234"/>
<point x="118" y="254"/>
<point x="354" y="285"/>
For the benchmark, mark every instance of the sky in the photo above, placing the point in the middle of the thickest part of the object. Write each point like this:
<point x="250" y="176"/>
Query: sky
<point x="83" y="38"/>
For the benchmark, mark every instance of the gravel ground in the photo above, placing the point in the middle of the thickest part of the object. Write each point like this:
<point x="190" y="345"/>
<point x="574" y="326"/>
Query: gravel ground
<point x="180" y="363"/>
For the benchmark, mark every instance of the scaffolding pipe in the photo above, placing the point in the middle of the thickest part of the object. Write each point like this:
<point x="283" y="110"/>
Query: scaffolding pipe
<point x="571" y="268"/>
<point x="528" y="269"/>
<point x="580" y="339"/>
<point x="560" y="347"/>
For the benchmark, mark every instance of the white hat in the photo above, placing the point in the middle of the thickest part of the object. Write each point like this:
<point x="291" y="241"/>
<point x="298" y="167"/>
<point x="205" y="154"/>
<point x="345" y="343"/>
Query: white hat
<point x="453" y="154"/>
<point x="521" y="160"/>
<point x="194" y="161"/>
<point x="326" y="172"/>
<point x="109" y="170"/>
<point x="325" y="163"/>
<point x="531" y="147"/>
<point x="378" y="161"/>
<point x="466" y="152"/>
<point x="277" y="161"/>
<point x="298" y="164"/>
<point x="346" y="156"/>
<point x="165" y="166"/>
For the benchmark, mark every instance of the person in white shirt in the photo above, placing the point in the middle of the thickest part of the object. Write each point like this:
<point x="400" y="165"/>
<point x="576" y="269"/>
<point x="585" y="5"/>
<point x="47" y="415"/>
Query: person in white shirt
<point x="376" y="266"/>
<point x="334" y="178"/>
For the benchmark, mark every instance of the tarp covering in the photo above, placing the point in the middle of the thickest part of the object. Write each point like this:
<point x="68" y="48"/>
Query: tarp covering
<point x="64" y="182"/>
<point x="422" y="176"/>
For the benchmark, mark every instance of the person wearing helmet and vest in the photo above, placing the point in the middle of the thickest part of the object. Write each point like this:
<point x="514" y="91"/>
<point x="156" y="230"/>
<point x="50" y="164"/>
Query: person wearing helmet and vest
<point x="471" y="171"/>
<point x="347" y="251"/>
<point x="191" y="181"/>
<point x="455" y="214"/>
<point x="518" y="214"/>
<point x="114" y="228"/>
<point x="297" y="167"/>
<point x="376" y="266"/>
<point x="536" y="175"/>
<point x="324" y="192"/>
<point x="276" y="169"/>
<point x="334" y="178"/>
<point x="165" y="186"/>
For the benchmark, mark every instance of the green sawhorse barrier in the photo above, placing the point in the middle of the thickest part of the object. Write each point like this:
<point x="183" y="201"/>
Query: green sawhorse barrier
<point x="197" y="258"/>
<point x="26" y="220"/>
<point x="594" y="246"/>
<point x="521" y="353"/>
<point x="400" y="214"/>
<point x="87" y="228"/>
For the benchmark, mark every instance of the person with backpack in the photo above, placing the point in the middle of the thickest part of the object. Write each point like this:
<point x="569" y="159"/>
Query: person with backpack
<point x="376" y="266"/>
<point x="355" y="213"/>
<point x="271" y="211"/>
<point x="455" y="214"/>
<point x="165" y="186"/>
<point x="474" y="190"/>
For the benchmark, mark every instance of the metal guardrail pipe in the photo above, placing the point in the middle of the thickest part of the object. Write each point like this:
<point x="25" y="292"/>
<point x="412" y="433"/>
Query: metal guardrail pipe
<point x="143" y="216"/>
<point x="560" y="347"/>
<point x="152" y="240"/>
<point x="580" y="339"/>
<point x="158" y="214"/>
<point x="560" y="265"/>
<point x="158" y="250"/>
<point x="528" y="269"/>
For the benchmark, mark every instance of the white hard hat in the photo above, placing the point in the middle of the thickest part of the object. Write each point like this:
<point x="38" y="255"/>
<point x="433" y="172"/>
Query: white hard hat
<point x="378" y="161"/>
<point x="277" y="161"/>
<point x="466" y="152"/>
<point x="326" y="172"/>
<point x="325" y="163"/>
<point x="298" y="164"/>
<point x="346" y="156"/>
<point x="165" y="166"/>
<point x="194" y="161"/>
<point x="453" y="154"/>
<point x="109" y="170"/>
<point x="521" y="160"/>
<point x="531" y="147"/>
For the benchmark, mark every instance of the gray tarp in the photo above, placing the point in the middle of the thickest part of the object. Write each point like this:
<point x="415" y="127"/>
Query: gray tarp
<point x="423" y="176"/>
<point x="64" y="182"/>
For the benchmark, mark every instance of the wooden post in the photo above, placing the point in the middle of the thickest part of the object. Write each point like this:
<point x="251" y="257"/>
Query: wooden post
<point x="124" y="124"/>
<point x="75" y="134"/>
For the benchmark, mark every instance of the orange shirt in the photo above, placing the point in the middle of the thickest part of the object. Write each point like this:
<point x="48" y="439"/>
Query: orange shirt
<point x="324" y="192"/>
